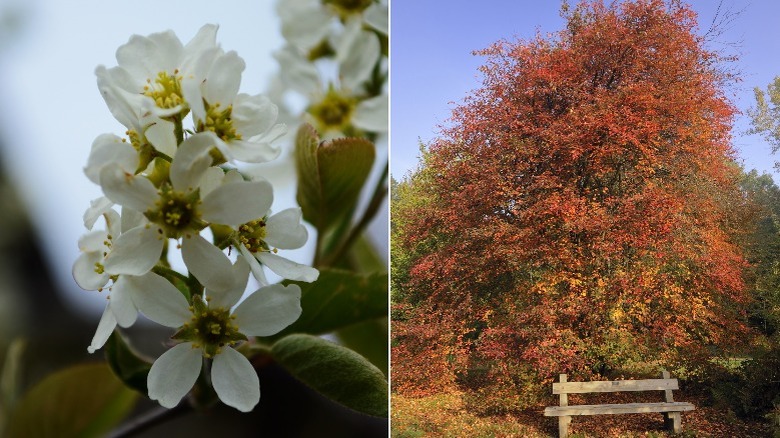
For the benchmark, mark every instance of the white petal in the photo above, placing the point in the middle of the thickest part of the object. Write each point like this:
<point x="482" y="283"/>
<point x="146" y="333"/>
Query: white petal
<point x="228" y="298"/>
<point x="211" y="179"/>
<point x="236" y="203"/>
<point x="127" y="189"/>
<point x="298" y="74"/>
<point x="254" y="265"/>
<point x="122" y="304"/>
<point x="108" y="148"/>
<point x="84" y="271"/>
<point x="268" y="310"/>
<point x="131" y="219"/>
<point x="159" y="300"/>
<point x="93" y="241"/>
<point x="304" y="27"/>
<point x="377" y="17"/>
<point x="173" y="374"/>
<point x="192" y="159"/>
<point x="105" y="327"/>
<point x="224" y="79"/>
<point x="371" y="114"/>
<point x="288" y="268"/>
<point x="252" y="151"/>
<point x="96" y="209"/>
<point x="160" y="134"/>
<point x="284" y="230"/>
<point x="204" y="39"/>
<point x="135" y="252"/>
<point x="358" y="53"/>
<point x="207" y="263"/>
<point x="191" y="90"/>
<point x="253" y="115"/>
<point x="235" y="380"/>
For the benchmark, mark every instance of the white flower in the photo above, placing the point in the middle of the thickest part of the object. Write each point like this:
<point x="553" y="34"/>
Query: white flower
<point x="308" y="24"/>
<point x="107" y="149"/>
<point x="243" y="126"/>
<point x="210" y="329"/>
<point x="134" y="111"/>
<point x="111" y="255"/>
<point x="260" y="240"/>
<point x="153" y="66"/>
<point x="334" y="111"/>
<point x="193" y="199"/>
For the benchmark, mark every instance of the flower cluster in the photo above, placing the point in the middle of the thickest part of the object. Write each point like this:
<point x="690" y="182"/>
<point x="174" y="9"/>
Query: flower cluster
<point x="164" y="185"/>
<point x="354" y="36"/>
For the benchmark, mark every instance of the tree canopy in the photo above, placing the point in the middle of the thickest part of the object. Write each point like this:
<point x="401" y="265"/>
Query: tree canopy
<point x="581" y="211"/>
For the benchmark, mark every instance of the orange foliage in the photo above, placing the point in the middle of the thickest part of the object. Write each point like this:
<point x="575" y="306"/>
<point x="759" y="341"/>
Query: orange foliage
<point x="587" y="206"/>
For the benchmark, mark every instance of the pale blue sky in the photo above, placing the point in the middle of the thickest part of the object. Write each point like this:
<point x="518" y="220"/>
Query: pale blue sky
<point x="433" y="68"/>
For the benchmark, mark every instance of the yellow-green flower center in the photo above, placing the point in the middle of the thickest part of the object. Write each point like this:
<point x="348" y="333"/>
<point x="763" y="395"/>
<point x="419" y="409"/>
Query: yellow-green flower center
<point x="176" y="212"/>
<point x="252" y="235"/>
<point x="334" y="111"/>
<point x="165" y="90"/>
<point x="219" y="121"/>
<point x="209" y="329"/>
<point x="345" y="8"/>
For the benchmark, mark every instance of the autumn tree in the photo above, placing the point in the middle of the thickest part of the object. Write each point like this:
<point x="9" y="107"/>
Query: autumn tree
<point x="583" y="207"/>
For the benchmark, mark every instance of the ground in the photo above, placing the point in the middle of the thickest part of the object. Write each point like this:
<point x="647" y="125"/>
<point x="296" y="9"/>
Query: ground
<point x="445" y="415"/>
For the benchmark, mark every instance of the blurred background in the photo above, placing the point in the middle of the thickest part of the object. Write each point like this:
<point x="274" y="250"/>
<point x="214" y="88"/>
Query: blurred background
<point x="50" y="112"/>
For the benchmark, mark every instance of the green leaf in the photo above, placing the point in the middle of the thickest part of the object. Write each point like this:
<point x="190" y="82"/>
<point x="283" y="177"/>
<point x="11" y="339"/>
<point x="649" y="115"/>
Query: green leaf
<point x="331" y="175"/>
<point x="81" y="401"/>
<point x="335" y="372"/>
<point x="339" y="299"/>
<point x="369" y="339"/>
<point x="128" y="365"/>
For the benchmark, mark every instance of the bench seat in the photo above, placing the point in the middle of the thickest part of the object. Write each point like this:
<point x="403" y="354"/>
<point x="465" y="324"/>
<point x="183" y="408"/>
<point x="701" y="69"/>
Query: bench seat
<point x="626" y="408"/>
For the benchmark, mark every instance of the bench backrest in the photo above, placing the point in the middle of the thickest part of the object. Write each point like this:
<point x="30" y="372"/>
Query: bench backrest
<point x="665" y="384"/>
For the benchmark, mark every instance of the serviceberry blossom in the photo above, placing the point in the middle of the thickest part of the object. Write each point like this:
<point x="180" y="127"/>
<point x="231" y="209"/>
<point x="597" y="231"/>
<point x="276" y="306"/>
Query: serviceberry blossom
<point x="208" y="328"/>
<point x="172" y="183"/>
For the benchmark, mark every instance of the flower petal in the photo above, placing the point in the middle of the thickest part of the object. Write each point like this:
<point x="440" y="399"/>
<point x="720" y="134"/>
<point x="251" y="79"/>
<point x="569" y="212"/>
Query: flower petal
<point x="253" y="115"/>
<point x="229" y="297"/>
<point x="135" y="252"/>
<point x="300" y="75"/>
<point x="357" y="54"/>
<point x="377" y="17"/>
<point x="254" y="265"/>
<point x="207" y="263"/>
<point x="235" y="380"/>
<point x="268" y="310"/>
<point x="173" y="374"/>
<point x="284" y="230"/>
<point x="104" y="329"/>
<point x="255" y="151"/>
<point x="192" y="160"/>
<point x="160" y="134"/>
<point x="97" y="207"/>
<point x="84" y="271"/>
<point x="108" y="148"/>
<point x="224" y="79"/>
<point x="122" y="304"/>
<point x="236" y="203"/>
<point x="371" y="114"/>
<point x="126" y="189"/>
<point x="288" y="268"/>
<point x="159" y="300"/>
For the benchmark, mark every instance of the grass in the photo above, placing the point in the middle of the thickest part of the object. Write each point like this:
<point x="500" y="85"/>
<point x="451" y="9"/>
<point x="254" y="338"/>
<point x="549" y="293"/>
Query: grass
<point x="446" y="415"/>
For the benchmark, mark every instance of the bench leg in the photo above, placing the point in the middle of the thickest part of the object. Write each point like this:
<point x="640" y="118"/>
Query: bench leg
<point x="563" y="426"/>
<point x="673" y="421"/>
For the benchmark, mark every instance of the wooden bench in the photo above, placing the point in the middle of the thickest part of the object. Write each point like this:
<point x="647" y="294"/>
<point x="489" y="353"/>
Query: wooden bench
<point x="669" y="408"/>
